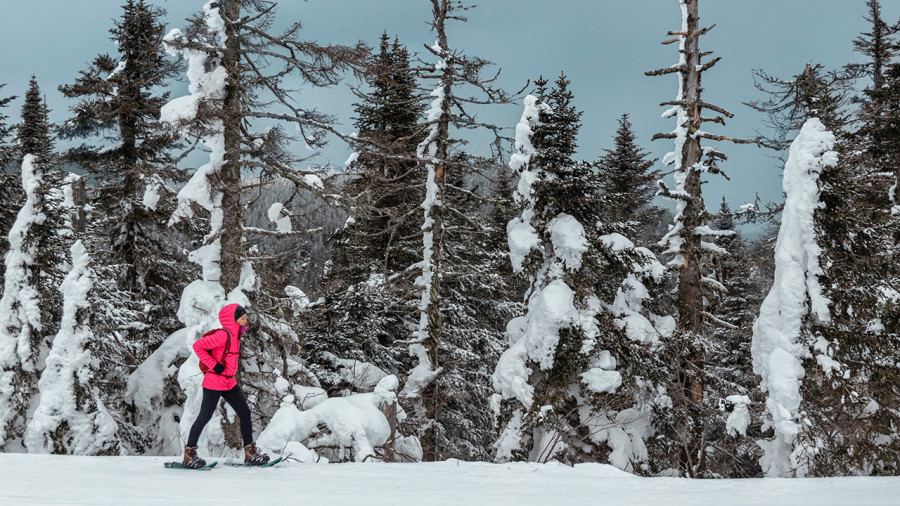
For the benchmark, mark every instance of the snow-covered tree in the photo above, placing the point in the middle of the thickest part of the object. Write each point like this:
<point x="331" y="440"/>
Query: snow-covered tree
<point x="137" y="268"/>
<point x="237" y="65"/>
<point x="690" y="239"/>
<point x="10" y="191"/>
<point x="21" y="323"/>
<point x="368" y="292"/>
<point x="33" y="270"/>
<point x="782" y="336"/>
<point x="560" y="390"/>
<point x="449" y="111"/>
<point x="71" y="417"/>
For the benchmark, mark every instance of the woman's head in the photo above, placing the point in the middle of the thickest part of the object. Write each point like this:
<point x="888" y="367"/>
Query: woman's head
<point x="240" y="316"/>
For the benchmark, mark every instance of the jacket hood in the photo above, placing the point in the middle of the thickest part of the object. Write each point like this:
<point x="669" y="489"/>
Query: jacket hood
<point x="226" y="318"/>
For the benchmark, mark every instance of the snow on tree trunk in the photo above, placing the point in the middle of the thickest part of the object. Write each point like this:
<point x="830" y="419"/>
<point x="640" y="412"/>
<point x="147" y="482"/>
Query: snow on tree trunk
<point x="780" y="339"/>
<point x="428" y="336"/>
<point x="71" y="417"/>
<point x="202" y="299"/>
<point x="511" y="374"/>
<point x="20" y="314"/>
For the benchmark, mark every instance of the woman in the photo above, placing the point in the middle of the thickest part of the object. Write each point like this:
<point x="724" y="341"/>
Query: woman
<point x="219" y="382"/>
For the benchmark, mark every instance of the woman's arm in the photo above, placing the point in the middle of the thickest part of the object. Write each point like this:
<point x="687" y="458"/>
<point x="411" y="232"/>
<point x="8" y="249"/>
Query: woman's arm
<point x="202" y="348"/>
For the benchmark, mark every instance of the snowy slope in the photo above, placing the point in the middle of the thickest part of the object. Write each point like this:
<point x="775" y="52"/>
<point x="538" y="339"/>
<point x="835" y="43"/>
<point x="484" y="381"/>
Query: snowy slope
<point x="138" y="481"/>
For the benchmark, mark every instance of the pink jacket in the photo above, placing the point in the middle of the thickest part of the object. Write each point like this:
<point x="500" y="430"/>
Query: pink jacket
<point x="209" y="350"/>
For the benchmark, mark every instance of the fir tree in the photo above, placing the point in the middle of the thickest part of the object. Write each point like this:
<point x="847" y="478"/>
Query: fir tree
<point x="628" y="183"/>
<point x="21" y="319"/>
<point x="119" y="101"/>
<point x="10" y="189"/>
<point x="560" y="389"/>
<point x="369" y="295"/>
<point x="71" y="417"/>
<point x="34" y="133"/>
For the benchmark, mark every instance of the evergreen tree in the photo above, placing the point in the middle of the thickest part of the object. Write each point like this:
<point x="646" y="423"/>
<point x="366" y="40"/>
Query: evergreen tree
<point x="628" y="183"/>
<point x="31" y="308"/>
<point x="731" y="371"/>
<point x="841" y="433"/>
<point x="21" y="320"/>
<point x="479" y="299"/>
<point x="119" y="101"/>
<point x="814" y="92"/>
<point x="562" y="389"/>
<point x="10" y="191"/>
<point x="368" y="289"/>
<point x="34" y="136"/>
<point x="71" y="417"/>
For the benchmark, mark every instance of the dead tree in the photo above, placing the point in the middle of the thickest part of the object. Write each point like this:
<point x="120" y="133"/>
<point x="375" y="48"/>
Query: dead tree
<point x="687" y="236"/>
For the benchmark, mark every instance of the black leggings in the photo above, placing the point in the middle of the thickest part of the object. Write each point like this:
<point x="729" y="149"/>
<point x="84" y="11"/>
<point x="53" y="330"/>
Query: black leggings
<point x="235" y="399"/>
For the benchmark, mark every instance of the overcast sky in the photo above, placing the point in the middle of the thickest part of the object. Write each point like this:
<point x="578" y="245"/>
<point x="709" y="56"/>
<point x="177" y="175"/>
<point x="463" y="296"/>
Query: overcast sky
<point x="604" y="46"/>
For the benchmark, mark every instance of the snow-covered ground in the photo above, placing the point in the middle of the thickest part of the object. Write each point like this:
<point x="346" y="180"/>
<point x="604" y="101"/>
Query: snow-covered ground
<point x="138" y="481"/>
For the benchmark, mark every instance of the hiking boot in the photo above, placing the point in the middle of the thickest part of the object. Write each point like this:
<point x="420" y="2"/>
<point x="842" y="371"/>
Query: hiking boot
<point x="253" y="457"/>
<point x="191" y="459"/>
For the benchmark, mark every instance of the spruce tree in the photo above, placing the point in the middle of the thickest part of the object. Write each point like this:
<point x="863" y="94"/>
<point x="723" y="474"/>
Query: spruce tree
<point x="368" y="290"/>
<point x="10" y="189"/>
<point x="35" y="137"/>
<point x="731" y="371"/>
<point x="118" y="102"/>
<point x="628" y="183"/>
<point x="841" y="433"/>
<point x="568" y="388"/>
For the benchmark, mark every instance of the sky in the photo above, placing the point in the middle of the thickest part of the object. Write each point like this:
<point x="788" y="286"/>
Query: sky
<point x="603" y="46"/>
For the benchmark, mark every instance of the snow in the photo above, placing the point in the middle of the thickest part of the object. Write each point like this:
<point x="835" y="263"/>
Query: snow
<point x="362" y="375"/>
<point x="354" y="422"/>
<point x="314" y="181"/>
<point x="136" y="481"/>
<point x="521" y="234"/>
<point x="70" y="414"/>
<point x="423" y="373"/>
<point x="739" y="418"/>
<point x="20" y="313"/>
<point x="616" y="242"/>
<point x="522" y="238"/>
<point x="568" y="239"/>
<point x="601" y="381"/>
<point x="147" y="384"/>
<point x="151" y="192"/>
<point x="777" y="346"/>
<point x="550" y="311"/>
<point x="278" y="216"/>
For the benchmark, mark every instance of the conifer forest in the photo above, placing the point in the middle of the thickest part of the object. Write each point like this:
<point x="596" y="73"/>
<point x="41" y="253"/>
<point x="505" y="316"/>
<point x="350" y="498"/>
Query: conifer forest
<point x="458" y="288"/>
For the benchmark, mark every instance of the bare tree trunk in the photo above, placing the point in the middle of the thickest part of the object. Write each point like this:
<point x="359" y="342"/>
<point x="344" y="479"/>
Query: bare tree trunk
<point x="690" y="295"/>
<point x="433" y="310"/>
<point x="230" y="175"/>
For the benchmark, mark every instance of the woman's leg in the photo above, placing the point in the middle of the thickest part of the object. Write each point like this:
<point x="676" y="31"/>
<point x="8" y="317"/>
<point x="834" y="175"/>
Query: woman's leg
<point x="235" y="399"/>
<point x="207" y="408"/>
